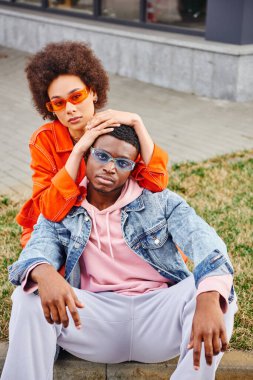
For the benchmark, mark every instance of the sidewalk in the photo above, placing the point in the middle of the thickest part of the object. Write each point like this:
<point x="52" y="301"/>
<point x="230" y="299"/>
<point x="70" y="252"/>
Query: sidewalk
<point x="188" y="127"/>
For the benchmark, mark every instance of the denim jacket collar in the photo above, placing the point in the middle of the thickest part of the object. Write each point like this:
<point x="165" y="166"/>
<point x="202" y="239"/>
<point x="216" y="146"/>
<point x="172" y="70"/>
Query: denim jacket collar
<point x="136" y="205"/>
<point x="76" y="210"/>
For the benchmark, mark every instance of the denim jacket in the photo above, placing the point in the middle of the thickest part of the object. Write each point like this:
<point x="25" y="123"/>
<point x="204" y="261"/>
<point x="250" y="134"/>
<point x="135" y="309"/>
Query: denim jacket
<point x="153" y="225"/>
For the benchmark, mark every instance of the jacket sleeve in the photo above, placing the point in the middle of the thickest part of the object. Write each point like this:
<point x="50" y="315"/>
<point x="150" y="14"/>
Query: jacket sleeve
<point x="43" y="247"/>
<point x="196" y="239"/>
<point x="153" y="176"/>
<point x="54" y="192"/>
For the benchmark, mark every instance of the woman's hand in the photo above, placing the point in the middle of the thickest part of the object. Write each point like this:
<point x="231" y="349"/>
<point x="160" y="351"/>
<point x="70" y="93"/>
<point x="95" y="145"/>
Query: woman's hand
<point x="56" y="294"/>
<point x="111" y="117"/>
<point x="90" y="135"/>
<point x="81" y="148"/>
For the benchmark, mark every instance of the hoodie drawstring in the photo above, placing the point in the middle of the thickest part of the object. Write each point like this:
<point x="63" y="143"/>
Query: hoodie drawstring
<point x="108" y="234"/>
<point x="95" y="229"/>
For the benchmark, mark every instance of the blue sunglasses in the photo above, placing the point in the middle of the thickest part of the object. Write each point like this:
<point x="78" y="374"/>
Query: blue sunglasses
<point x="103" y="157"/>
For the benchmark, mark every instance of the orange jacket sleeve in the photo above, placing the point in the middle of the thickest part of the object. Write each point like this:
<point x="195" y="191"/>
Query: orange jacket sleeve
<point x="54" y="191"/>
<point x="153" y="176"/>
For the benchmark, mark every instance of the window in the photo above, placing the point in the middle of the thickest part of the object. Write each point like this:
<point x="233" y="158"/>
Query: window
<point x="171" y="15"/>
<point x="84" y="6"/>
<point x="36" y="3"/>
<point x="124" y="10"/>
<point x="184" y="13"/>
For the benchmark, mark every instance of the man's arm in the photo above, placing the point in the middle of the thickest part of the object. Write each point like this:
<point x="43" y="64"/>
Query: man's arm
<point x="43" y="247"/>
<point x="202" y="244"/>
<point x="39" y="262"/>
<point x="56" y="294"/>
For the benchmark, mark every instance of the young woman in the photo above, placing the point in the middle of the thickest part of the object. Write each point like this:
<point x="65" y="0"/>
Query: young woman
<point x="69" y="85"/>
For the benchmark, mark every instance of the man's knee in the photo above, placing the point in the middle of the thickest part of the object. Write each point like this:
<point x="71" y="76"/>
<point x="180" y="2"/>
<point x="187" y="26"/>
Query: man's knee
<point x="28" y="304"/>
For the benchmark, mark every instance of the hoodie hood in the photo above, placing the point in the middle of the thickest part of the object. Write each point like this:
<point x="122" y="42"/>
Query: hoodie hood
<point x="110" y="215"/>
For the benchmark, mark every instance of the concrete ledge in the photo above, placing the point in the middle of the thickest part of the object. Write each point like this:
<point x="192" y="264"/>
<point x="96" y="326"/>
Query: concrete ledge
<point x="184" y="63"/>
<point x="173" y="39"/>
<point x="235" y="365"/>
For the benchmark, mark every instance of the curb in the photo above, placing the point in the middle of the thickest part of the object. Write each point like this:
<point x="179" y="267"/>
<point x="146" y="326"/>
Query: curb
<point x="235" y="365"/>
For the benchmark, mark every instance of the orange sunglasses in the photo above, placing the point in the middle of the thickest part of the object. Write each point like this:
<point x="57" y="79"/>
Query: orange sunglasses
<point x="74" y="98"/>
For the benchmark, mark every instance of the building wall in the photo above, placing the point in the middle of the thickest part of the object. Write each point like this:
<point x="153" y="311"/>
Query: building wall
<point x="183" y="63"/>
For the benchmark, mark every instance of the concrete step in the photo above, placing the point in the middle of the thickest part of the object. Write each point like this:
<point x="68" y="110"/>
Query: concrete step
<point x="235" y="365"/>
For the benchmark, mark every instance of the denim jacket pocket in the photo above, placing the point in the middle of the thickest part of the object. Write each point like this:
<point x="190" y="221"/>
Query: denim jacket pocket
<point x="156" y="237"/>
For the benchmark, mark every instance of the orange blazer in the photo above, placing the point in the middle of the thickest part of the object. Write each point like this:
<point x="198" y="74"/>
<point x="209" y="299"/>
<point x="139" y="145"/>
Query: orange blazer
<point x="54" y="192"/>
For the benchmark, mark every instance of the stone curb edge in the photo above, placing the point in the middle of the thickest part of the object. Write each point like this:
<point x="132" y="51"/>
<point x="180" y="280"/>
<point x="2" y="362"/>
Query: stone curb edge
<point x="235" y="365"/>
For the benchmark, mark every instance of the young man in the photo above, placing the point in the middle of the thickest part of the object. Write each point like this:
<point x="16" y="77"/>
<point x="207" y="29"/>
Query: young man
<point x="127" y="293"/>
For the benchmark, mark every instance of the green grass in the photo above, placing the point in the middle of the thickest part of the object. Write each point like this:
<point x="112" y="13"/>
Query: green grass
<point x="9" y="251"/>
<point x="220" y="190"/>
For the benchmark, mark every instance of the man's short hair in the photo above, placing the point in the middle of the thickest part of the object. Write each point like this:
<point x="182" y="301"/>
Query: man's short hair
<point x="126" y="133"/>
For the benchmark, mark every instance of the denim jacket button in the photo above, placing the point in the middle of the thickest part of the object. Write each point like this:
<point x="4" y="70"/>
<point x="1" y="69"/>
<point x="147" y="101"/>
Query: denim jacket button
<point x="87" y="219"/>
<point x="157" y="241"/>
<point x="77" y="245"/>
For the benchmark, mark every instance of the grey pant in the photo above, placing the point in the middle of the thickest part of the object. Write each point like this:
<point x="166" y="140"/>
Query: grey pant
<point x="148" y="328"/>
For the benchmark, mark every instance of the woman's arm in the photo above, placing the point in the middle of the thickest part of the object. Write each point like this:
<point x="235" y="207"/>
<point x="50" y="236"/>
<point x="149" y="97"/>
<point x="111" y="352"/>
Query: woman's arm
<point x="153" y="176"/>
<point x="54" y="191"/>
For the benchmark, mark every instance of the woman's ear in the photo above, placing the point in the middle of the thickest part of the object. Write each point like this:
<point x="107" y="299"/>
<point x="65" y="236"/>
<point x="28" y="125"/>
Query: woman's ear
<point x="95" y="97"/>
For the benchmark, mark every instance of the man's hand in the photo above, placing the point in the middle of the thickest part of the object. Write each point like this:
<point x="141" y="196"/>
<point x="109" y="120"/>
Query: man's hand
<point x="208" y="326"/>
<point x="56" y="294"/>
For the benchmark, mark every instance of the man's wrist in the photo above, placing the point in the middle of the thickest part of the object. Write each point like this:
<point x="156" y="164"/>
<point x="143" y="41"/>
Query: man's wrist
<point x="40" y="271"/>
<point x="210" y="297"/>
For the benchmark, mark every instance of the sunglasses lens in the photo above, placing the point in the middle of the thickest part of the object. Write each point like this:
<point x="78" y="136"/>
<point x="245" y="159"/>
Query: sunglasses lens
<point x="78" y="96"/>
<point x="124" y="164"/>
<point x="58" y="104"/>
<point x="101" y="156"/>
